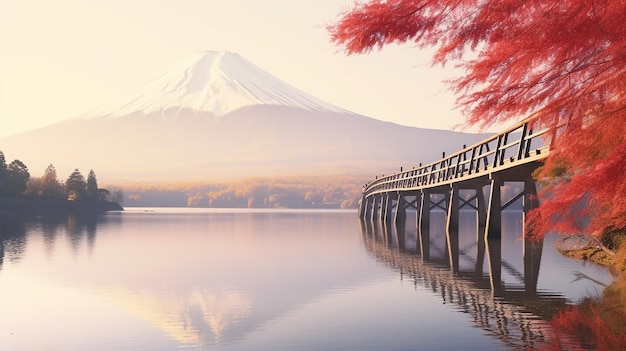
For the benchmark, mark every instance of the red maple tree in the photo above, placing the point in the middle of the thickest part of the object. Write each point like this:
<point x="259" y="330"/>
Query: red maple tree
<point x="561" y="61"/>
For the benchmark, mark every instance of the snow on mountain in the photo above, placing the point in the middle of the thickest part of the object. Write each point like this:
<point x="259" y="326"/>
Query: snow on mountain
<point x="214" y="82"/>
<point x="232" y="120"/>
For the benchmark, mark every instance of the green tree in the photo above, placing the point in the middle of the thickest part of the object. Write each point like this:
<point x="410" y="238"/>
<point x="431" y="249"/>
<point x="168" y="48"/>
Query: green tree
<point x="93" y="192"/>
<point x="92" y="184"/>
<point x="3" y="172"/>
<point x="17" y="176"/>
<point x="3" y="163"/>
<point x="75" y="186"/>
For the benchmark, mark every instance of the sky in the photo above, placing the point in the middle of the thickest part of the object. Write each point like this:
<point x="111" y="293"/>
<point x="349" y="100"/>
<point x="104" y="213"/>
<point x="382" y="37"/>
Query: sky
<point x="61" y="59"/>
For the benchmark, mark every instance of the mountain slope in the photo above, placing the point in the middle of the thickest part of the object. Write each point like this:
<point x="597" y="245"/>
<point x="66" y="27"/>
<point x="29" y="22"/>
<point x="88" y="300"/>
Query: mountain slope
<point x="218" y="116"/>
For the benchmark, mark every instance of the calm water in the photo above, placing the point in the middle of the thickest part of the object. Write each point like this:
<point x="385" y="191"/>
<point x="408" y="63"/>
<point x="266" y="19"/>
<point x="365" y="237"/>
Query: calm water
<point x="168" y="279"/>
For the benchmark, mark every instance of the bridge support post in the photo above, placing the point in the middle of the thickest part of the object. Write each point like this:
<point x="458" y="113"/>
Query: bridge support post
<point x="452" y="227"/>
<point x="533" y="247"/>
<point x="424" y="212"/>
<point x="391" y="205"/>
<point x="452" y="218"/>
<point x="375" y="200"/>
<point x="493" y="229"/>
<point x="400" y="216"/>
<point x="481" y="219"/>
<point x="418" y="209"/>
<point x="481" y="211"/>
<point x="383" y="206"/>
<point x="446" y="204"/>
<point x="367" y="207"/>
<point x="423" y="224"/>
<point x="362" y="206"/>
<point x="387" y="207"/>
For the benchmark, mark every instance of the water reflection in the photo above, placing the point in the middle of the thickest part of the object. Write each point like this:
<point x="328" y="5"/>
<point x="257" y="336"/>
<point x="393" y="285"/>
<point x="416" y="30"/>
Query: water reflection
<point x="201" y="317"/>
<point x="235" y="282"/>
<point x="193" y="315"/>
<point x="596" y="323"/>
<point x="190" y="314"/>
<point x="12" y="239"/>
<point x="77" y="228"/>
<point x="477" y="277"/>
<point x="202" y="280"/>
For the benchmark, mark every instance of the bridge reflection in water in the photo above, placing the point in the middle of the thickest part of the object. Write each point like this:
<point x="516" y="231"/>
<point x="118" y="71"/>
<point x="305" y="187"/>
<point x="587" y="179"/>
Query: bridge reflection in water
<point x="517" y="313"/>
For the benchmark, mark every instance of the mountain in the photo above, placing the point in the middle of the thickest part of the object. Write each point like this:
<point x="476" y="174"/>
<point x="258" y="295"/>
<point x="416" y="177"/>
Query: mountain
<point x="218" y="116"/>
<point x="215" y="83"/>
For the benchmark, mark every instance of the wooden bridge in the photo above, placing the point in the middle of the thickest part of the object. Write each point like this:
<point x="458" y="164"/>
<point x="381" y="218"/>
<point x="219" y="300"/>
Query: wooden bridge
<point x="487" y="177"/>
<point x="460" y="180"/>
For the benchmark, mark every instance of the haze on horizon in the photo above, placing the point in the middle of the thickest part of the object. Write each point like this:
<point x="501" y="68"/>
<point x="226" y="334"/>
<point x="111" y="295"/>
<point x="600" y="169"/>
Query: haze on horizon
<point x="65" y="58"/>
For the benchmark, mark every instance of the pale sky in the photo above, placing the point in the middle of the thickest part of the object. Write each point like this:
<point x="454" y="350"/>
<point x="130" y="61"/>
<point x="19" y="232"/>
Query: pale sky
<point x="60" y="59"/>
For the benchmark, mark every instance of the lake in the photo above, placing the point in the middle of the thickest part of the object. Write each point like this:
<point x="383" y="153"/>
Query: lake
<point x="226" y="279"/>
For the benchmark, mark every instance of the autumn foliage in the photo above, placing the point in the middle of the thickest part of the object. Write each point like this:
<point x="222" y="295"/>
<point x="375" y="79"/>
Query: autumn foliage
<point x="561" y="62"/>
<point x="260" y="192"/>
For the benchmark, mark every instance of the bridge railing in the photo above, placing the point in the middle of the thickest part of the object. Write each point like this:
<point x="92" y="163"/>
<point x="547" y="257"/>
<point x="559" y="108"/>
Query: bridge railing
<point x="516" y="145"/>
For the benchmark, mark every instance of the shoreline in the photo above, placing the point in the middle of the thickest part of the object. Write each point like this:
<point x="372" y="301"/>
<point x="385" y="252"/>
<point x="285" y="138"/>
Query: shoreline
<point x="591" y="254"/>
<point x="613" y="263"/>
<point x="52" y="206"/>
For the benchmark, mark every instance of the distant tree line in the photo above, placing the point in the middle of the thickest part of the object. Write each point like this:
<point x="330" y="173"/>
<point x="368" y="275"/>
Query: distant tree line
<point x="262" y="192"/>
<point x="15" y="180"/>
<point x="266" y="192"/>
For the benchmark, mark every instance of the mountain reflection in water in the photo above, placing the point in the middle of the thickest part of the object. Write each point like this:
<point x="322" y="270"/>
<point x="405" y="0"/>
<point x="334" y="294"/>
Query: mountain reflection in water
<point x="200" y="317"/>
<point x="203" y="279"/>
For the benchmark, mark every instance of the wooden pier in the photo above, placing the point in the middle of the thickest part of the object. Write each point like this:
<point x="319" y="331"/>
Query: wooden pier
<point x="472" y="178"/>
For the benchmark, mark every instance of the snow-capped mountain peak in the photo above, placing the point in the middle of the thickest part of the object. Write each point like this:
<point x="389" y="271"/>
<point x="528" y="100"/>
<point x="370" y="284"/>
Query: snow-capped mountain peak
<point x="216" y="82"/>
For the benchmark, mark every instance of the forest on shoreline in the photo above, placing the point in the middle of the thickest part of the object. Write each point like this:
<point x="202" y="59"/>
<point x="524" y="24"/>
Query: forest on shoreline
<point x="21" y="193"/>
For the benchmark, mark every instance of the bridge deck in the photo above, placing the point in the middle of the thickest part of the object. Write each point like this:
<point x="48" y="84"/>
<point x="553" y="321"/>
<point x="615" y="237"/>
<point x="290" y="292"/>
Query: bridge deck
<point x="511" y="155"/>
<point x="515" y="147"/>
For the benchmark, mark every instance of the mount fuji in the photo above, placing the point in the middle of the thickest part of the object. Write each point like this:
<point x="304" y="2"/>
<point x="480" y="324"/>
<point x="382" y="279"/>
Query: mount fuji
<point x="216" y="83"/>
<point x="218" y="116"/>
